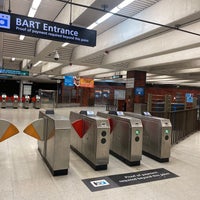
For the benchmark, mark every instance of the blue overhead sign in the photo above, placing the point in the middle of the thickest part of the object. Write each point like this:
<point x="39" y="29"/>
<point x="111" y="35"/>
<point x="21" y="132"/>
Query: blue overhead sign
<point x="139" y="91"/>
<point x="189" y="97"/>
<point x="33" y="27"/>
<point x="14" y="72"/>
<point x="69" y="81"/>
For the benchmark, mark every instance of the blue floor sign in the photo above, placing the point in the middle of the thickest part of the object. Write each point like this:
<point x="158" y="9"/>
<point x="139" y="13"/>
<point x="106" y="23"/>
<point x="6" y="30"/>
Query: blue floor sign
<point x="120" y="180"/>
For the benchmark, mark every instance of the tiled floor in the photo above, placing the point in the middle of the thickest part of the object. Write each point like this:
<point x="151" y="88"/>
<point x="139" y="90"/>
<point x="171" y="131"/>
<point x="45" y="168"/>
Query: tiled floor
<point x="24" y="175"/>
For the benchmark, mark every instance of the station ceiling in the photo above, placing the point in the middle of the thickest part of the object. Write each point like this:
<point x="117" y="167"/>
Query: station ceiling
<point x="169" y="53"/>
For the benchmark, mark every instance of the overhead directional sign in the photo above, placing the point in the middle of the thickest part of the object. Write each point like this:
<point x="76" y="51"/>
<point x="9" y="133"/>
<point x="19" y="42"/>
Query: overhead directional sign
<point x="23" y="25"/>
<point x="69" y="81"/>
<point x="14" y="72"/>
<point x="87" y="82"/>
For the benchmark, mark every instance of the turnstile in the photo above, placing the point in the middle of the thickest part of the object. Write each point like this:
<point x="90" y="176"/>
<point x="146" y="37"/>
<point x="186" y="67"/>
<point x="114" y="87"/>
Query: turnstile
<point x="91" y="138"/>
<point x="126" y="137"/>
<point x="15" y="101"/>
<point x="156" y="136"/>
<point x="53" y="134"/>
<point x="3" y="100"/>
<point x="26" y="102"/>
<point x="37" y="103"/>
<point x="7" y="130"/>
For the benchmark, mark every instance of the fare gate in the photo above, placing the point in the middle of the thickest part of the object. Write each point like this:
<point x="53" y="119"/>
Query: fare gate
<point x="7" y="130"/>
<point x="126" y="137"/>
<point x="53" y="134"/>
<point x="91" y="138"/>
<point x="156" y="136"/>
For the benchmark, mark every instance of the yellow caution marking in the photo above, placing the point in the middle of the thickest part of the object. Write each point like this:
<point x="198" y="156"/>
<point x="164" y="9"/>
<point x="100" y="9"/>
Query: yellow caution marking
<point x="11" y="130"/>
<point x="30" y="130"/>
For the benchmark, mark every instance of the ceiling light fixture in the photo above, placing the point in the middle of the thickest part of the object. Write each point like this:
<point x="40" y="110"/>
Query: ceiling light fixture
<point x="65" y="44"/>
<point x="108" y="15"/>
<point x="104" y="18"/>
<point x="32" y="11"/>
<point x="37" y="63"/>
<point x="125" y="3"/>
<point x="21" y="37"/>
<point x="92" y="25"/>
<point x="34" y="8"/>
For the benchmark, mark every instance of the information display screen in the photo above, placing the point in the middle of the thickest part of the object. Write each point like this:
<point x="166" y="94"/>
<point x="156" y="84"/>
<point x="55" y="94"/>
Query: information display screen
<point x="139" y="91"/>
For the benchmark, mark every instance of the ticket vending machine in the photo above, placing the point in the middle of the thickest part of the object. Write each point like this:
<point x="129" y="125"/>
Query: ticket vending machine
<point x="3" y="100"/>
<point x="53" y="134"/>
<point x="15" y="101"/>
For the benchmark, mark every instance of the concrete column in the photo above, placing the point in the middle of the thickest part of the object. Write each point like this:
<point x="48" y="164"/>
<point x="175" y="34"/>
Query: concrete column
<point x="139" y="83"/>
<point x="21" y="90"/>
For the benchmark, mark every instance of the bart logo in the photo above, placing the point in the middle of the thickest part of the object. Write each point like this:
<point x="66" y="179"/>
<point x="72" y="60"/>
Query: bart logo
<point x="4" y="21"/>
<point x="99" y="183"/>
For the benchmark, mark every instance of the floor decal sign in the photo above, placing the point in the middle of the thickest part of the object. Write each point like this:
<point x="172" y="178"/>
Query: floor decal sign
<point x="120" y="180"/>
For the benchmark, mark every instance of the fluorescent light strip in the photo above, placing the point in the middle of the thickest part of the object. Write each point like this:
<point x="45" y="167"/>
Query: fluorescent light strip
<point x="65" y="44"/>
<point x="21" y="37"/>
<point x="191" y="70"/>
<point x="104" y="18"/>
<point x="125" y="3"/>
<point x="160" y="77"/>
<point x="92" y="25"/>
<point x="115" y="10"/>
<point x="37" y="63"/>
<point x="108" y="15"/>
<point x="34" y="7"/>
<point x="32" y="12"/>
<point x="36" y="4"/>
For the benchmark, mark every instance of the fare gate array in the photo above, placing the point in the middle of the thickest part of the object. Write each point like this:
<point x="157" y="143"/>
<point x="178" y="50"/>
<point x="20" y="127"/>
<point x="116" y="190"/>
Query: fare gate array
<point x="15" y="101"/>
<point x="125" y="135"/>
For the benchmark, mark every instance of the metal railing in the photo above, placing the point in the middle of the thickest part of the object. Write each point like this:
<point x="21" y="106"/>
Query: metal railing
<point x="184" y="122"/>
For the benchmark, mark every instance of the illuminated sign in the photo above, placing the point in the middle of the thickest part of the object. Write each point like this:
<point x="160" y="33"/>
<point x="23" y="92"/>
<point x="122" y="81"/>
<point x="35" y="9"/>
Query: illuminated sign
<point x="33" y="27"/>
<point x="69" y="81"/>
<point x="117" y="76"/>
<point x="139" y="91"/>
<point x="86" y="82"/>
<point x="189" y="97"/>
<point x="14" y="72"/>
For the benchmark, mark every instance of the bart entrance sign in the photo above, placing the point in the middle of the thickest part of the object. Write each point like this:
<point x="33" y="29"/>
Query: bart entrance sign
<point x="23" y="25"/>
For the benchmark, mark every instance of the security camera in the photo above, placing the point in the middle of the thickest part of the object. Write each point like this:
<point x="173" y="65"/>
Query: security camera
<point x="56" y="56"/>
